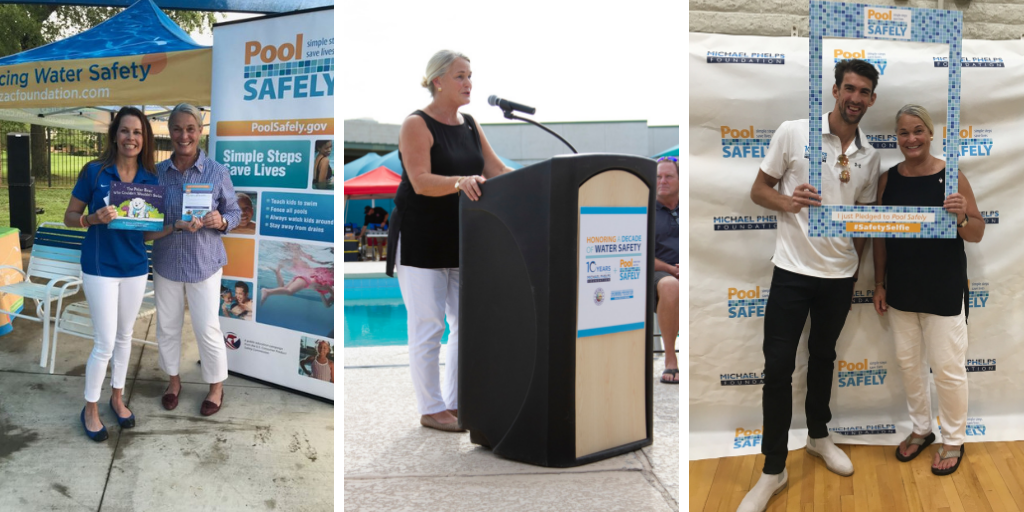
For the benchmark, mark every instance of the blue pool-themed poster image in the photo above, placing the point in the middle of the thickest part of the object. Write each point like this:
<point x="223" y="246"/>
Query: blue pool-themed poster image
<point x="139" y="207"/>
<point x="196" y="199"/>
<point x="296" y="287"/>
<point x="236" y="300"/>
<point x="316" y="359"/>
<point x="283" y="246"/>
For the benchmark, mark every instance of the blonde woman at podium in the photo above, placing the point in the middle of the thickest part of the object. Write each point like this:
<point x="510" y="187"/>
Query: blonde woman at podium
<point x="444" y="153"/>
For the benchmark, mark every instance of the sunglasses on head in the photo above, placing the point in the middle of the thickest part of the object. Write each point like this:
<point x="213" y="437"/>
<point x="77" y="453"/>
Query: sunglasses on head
<point x="670" y="158"/>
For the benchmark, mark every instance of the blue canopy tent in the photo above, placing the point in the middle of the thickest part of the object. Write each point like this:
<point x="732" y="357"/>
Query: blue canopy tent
<point x="136" y="57"/>
<point x="360" y="165"/>
<point x="672" y="151"/>
<point x="354" y="209"/>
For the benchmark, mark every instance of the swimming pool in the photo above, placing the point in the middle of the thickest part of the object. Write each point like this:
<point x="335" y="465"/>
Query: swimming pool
<point x="377" y="323"/>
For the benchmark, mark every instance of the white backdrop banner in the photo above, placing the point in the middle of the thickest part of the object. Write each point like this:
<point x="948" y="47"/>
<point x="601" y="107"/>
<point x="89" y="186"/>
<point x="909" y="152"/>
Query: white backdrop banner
<point x="744" y="87"/>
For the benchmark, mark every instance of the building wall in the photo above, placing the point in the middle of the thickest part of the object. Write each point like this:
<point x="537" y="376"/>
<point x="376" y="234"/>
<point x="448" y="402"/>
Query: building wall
<point x="528" y="144"/>
<point x="660" y="138"/>
<point x="983" y="19"/>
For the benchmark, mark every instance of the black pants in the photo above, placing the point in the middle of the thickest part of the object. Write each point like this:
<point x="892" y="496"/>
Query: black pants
<point x="791" y="298"/>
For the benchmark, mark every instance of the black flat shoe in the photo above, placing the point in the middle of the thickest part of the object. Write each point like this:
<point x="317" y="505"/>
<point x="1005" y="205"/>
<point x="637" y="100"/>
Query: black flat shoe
<point x="128" y="422"/>
<point x="99" y="435"/>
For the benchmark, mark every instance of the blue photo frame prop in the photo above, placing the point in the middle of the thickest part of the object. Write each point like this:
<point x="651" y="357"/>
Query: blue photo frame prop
<point x="860" y="21"/>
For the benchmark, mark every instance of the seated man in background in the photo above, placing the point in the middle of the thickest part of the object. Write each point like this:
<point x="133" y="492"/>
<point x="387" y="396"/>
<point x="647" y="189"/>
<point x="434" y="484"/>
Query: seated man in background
<point x="666" y="262"/>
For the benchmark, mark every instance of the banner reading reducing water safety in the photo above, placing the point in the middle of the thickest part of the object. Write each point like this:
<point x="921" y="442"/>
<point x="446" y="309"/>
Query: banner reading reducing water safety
<point x="741" y="89"/>
<point x="273" y="127"/>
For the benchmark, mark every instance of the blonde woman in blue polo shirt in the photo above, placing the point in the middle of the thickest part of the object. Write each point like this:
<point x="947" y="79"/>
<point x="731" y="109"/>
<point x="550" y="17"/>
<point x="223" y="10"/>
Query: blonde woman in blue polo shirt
<point x="189" y="262"/>
<point x="114" y="262"/>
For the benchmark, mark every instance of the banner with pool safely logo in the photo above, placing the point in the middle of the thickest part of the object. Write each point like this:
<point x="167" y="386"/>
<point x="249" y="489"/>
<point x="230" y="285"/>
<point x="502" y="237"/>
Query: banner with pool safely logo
<point x="273" y="81"/>
<point x="742" y="88"/>
<point x="612" y="290"/>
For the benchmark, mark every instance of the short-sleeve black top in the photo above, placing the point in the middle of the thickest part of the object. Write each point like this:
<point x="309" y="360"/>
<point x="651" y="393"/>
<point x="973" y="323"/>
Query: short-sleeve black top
<point x="429" y="226"/>
<point x="924" y="275"/>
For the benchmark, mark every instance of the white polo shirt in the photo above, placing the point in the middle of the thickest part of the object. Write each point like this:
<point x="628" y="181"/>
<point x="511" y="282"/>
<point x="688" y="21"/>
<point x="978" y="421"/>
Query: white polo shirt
<point x="786" y="160"/>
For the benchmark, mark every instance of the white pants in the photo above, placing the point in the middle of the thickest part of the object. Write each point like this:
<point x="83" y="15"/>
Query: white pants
<point x="429" y="295"/>
<point x="945" y="338"/>
<point x="114" y="303"/>
<point x="204" y="303"/>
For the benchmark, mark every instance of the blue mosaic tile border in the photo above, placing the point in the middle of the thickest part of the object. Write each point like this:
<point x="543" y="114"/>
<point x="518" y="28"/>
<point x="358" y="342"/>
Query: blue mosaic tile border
<point x="746" y="142"/>
<point x="847" y="20"/>
<point x="304" y="67"/>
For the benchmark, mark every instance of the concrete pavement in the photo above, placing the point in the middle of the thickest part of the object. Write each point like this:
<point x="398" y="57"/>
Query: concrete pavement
<point x="266" y="449"/>
<point x="392" y="463"/>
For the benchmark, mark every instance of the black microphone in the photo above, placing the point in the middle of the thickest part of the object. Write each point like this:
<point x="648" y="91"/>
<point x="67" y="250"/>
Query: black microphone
<point x="510" y="105"/>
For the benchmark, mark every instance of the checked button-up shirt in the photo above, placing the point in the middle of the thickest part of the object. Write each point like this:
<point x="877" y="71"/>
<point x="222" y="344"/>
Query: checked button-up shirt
<point x="193" y="257"/>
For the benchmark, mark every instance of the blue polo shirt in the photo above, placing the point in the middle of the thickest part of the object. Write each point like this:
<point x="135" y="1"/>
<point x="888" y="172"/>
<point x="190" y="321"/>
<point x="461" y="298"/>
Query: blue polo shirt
<point x="110" y="252"/>
<point x="666" y="233"/>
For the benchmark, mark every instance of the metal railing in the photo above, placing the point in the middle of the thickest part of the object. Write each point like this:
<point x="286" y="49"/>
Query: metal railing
<point x="69" y="150"/>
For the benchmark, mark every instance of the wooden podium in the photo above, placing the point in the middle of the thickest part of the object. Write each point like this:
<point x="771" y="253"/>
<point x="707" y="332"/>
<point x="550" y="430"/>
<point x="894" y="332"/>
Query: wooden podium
<point x="541" y="379"/>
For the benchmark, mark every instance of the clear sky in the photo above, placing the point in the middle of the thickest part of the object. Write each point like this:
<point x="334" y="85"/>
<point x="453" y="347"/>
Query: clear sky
<point x="572" y="61"/>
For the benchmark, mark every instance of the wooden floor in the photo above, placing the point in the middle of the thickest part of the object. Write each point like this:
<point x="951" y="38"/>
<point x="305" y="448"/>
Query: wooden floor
<point x="991" y="477"/>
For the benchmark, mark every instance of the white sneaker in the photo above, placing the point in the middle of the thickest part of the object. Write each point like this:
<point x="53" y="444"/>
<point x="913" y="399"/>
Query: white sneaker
<point x="767" y="486"/>
<point x="835" y="458"/>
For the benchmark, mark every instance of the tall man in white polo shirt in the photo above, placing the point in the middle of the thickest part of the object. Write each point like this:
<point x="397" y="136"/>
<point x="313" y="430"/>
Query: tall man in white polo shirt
<point x="812" y="275"/>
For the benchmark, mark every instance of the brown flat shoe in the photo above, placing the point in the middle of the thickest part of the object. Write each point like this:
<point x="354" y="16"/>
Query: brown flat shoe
<point x="209" y="408"/>
<point x="169" y="401"/>
<point x="429" y="421"/>
<point x="454" y="412"/>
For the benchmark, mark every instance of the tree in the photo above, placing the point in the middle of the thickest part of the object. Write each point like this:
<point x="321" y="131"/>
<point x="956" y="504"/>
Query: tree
<point x="23" y="27"/>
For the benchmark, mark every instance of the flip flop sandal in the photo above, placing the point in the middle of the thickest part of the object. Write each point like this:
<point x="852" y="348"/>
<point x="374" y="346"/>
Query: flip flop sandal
<point x="943" y="454"/>
<point x="671" y="373"/>
<point x="922" y="442"/>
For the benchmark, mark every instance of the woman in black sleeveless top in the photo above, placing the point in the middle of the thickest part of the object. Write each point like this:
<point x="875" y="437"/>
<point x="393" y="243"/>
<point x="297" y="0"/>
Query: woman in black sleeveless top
<point x="922" y="283"/>
<point x="444" y="153"/>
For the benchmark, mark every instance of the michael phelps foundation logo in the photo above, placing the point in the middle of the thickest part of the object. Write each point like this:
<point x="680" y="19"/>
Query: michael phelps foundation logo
<point x="861" y="373"/>
<point x="977" y="294"/>
<point x="747" y="303"/>
<point x="745" y="142"/>
<point x="598" y="273"/>
<point x="887" y="23"/>
<point x="883" y="141"/>
<point x="981" y="365"/>
<point x="991" y="216"/>
<point x="747" y="438"/>
<point x="876" y="59"/>
<point x="297" y="68"/>
<point x="720" y="57"/>
<point x="232" y="341"/>
<point x="742" y="379"/>
<point x="863" y="297"/>
<point x="744" y="222"/>
<point x="971" y="62"/>
<point x="973" y="141"/>
<point x="866" y="430"/>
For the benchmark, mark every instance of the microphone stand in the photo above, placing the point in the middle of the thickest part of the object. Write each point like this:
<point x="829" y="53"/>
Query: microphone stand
<point x="510" y="115"/>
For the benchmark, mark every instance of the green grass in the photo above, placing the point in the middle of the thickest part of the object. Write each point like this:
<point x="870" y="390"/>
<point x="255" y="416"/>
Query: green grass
<point x="53" y="201"/>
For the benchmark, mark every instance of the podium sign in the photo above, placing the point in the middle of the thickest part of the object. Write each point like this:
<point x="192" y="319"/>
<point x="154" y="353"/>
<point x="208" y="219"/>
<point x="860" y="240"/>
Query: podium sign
<point x="556" y="310"/>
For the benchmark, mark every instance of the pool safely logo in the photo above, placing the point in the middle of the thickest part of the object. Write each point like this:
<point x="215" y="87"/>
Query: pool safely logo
<point x="747" y="438"/>
<point x="861" y="373"/>
<point x="747" y="303"/>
